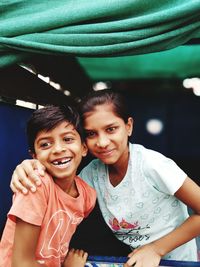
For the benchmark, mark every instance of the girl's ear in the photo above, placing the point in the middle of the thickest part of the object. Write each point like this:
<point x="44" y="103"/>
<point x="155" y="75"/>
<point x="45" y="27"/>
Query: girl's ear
<point x="129" y="126"/>
<point x="84" y="149"/>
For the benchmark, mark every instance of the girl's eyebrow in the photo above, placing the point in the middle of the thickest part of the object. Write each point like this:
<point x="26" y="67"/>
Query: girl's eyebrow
<point x="106" y="126"/>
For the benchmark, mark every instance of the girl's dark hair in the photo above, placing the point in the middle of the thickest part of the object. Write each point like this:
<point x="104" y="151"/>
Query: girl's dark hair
<point x="48" y="118"/>
<point x="107" y="96"/>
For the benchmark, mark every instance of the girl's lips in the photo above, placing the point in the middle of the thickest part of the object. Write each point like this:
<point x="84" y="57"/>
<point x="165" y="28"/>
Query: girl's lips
<point x="105" y="153"/>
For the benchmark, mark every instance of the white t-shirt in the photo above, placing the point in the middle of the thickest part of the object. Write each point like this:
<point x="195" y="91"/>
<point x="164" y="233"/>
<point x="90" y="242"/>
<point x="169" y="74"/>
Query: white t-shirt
<point x="142" y="207"/>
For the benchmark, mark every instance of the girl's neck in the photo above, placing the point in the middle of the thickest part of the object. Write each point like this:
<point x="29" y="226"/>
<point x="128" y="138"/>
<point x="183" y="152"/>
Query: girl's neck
<point x="118" y="171"/>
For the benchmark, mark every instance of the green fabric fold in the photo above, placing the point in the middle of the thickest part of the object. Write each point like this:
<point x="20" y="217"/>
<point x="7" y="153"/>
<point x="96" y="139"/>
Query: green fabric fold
<point x="100" y="28"/>
<point x="178" y="63"/>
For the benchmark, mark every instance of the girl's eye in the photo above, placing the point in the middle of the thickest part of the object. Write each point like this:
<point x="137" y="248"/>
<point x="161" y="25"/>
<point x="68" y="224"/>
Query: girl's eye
<point x="111" y="129"/>
<point x="90" y="134"/>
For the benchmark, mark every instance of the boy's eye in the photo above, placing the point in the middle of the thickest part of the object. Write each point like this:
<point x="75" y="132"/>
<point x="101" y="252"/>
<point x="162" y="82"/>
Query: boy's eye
<point x="45" y="145"/>
<point x="68" y="139"/>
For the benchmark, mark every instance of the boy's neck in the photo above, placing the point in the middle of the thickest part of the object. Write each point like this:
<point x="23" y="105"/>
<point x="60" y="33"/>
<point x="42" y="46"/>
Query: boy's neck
<point x="68" y="186"/>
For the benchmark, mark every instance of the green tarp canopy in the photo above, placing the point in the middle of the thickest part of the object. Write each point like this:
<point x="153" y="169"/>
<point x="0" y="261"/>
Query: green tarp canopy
<point x="116" y="39"/>
<point x="178" y="63"/>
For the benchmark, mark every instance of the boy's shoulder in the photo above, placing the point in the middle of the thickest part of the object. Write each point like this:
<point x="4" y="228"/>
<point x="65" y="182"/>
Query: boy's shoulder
<point x="46" y="183"/>
<point x="84" y="185"/>
<point x="87" y="193"/>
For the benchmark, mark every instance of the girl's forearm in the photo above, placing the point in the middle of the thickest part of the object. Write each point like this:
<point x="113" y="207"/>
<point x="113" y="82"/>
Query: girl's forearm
<point x="182" y="234"/>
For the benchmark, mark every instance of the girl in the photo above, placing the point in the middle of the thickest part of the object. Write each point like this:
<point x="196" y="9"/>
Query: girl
<point x="143" y="196"/>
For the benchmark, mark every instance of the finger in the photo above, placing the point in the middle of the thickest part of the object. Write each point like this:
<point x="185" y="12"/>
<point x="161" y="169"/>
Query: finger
<point x="26" y="170"/>
<point x="17" y="186"/>
<point x="85" y="256"/>
<point x="39" y="167"/>
<point x="72" y="250"/>
<point x="80" y="252"/>
<point x="20" y="177"/>
<point x="31" y="181"/>
<point x="131" y="253"/>
<point x="131" y="262"/>
<point x="14" y="190"/>
<point x="133" y="265"/>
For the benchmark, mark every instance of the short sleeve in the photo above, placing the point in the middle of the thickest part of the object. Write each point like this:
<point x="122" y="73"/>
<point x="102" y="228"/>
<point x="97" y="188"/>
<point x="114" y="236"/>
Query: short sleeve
<point x="31" y="207"/>
<point x="89" y="173"/>
<point x="89" y="195"/>
<point x="162" y="172"/>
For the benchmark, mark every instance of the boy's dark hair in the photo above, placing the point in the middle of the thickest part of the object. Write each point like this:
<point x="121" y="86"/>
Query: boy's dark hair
<point x="107" y="96"/>
<point x="48" y="118"/>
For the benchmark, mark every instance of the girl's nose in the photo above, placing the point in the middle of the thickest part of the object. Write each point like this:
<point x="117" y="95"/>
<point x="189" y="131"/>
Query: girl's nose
<point x="102" y="141"/>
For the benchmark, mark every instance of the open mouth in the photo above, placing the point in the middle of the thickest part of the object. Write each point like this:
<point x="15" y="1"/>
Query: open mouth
<point x="61" y="162"/>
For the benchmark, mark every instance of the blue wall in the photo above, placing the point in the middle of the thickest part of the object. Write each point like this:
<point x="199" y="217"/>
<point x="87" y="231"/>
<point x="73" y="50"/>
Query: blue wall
<point x="13" y="149"/>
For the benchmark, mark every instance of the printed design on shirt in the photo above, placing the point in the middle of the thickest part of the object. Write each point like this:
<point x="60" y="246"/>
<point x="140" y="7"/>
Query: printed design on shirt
<point x="116" y="225"/>
<point x="129" y="231"/>
<point x="175" y="203"/>
<point x="57" y="234"/>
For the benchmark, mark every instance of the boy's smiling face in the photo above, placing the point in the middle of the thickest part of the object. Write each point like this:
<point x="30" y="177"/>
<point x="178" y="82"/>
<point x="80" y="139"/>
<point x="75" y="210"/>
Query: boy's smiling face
<point x="60" y="150"/>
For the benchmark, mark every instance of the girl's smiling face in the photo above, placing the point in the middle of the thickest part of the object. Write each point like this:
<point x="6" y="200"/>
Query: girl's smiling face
<point x="107" y="134"/>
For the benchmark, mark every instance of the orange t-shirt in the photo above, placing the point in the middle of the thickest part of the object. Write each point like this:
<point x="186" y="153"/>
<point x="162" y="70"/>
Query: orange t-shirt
<point x="57" y="213"/>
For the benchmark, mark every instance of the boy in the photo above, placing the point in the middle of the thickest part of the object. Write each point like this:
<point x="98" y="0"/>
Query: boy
<point x="39" y="228"/>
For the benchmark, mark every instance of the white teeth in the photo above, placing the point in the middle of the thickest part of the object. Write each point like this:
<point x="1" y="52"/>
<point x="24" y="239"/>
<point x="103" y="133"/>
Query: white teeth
<point x="63" y="161"/>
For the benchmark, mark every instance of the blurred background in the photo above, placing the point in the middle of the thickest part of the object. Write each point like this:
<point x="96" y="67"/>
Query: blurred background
<point x="163" y="94"/>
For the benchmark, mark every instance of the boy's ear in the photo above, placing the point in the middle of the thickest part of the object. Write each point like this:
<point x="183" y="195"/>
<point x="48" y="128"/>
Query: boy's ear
<point x="32" y="154"/>
<point x="84" y="149"/>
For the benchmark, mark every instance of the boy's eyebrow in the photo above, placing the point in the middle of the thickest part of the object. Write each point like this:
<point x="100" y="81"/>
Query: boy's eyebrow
<point x="47" y="135"/>
<point x="73" y="130"/>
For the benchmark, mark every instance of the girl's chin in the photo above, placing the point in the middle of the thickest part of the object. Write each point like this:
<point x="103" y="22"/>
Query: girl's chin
<point x="108" y="161"/>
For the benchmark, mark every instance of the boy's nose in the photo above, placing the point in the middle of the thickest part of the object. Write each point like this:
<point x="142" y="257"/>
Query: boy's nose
<point x="58" y="147"/>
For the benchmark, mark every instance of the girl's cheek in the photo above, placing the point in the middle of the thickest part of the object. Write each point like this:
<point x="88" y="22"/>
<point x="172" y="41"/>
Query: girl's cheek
<point x="89" y="145"/>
